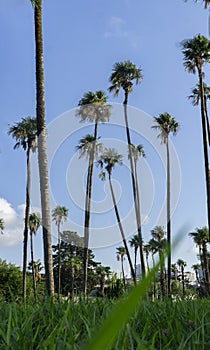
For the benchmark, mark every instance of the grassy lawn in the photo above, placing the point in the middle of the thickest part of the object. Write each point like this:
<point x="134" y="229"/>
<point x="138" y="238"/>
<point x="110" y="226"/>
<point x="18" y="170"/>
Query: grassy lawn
<point x="66" y="325"/>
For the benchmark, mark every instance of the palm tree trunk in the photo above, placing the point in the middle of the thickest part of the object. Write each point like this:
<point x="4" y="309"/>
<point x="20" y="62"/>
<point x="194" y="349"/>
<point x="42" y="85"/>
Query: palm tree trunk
<point x="135" y="257"/>
<point x="168" y="217"/>
<point x="207" y="119"/>
<point x="206" y="268"/>
<point x="121" y="230"/>
<point x="42" y="150"/>
<point x="88" y="208"/>
<point x="123" y="272"/>
<point x="136" y="202"/>
<point x="183" y="286"/>
<point x="33" y="267"/>
<point x="27" y="212"/>
<point x="59" y="260"/>
<point x="205" y="146"/>
<point x="162" y="275"/>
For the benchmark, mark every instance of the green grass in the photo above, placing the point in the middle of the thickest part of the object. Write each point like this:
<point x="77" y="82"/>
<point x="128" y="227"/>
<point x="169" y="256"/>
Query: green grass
<point x="153" y="325"/>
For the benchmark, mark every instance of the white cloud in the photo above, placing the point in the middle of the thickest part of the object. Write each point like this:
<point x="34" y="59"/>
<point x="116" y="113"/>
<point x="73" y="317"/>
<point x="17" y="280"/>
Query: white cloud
<point x="117" y="30"/>
<point x="13" y="221"/>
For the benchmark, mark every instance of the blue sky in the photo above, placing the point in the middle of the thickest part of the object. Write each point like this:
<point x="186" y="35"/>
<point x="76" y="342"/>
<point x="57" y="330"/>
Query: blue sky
<point x="82" y="41"/>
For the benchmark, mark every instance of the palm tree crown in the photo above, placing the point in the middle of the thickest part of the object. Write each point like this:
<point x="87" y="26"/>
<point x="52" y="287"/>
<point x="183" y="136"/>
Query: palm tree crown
<point x="196" y="52"/>
<point x="34" y="222"/>
<point x="1" y="224"/>
<point x="59" y="213"/>
<point x="108" y="159"/>
<point x="24" y="133"/>
<point x="166" y="124"/>
<point x="122" y="76"/>
<point x="93" y="107"/>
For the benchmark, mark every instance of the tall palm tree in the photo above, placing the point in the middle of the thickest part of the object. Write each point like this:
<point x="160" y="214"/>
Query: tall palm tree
<point x="121" y="252"/>
<point x="166" y="124"/>
<point x="200" y="237"/>
<point x="85" y="148"/>
<point x="42" y="148"/>
<point x="134" y="243"/>
<point x="1" y="225"/>
<point x="59" y="214"/>
<point x="196" y="268"/>
<point x="108" y="159"/>
<point x="123" y="75"/>
<point x="196" y="53"/>
<point x="158" y="235"/>
<point x="34" y="224"/>
<point x="24" y="133"/>
<point x="182" y="264"/>
<point x="93" y="107"/>
<point x="195" y="97"/>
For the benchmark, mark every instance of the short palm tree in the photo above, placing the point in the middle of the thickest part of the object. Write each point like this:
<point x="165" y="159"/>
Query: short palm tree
<point x="85" y="148"/>
<point x="93" y="107"/>
<point x="195" y="97"/>
<point x="1" y="225"/>
<point x="196" y="268"/>
<point x="166" y="124"/>
<point x="102" y="272"/>
<point x="196" y="53"/>
<point x="122" y="77"/>
<point x="108" y="159"/>
<point x="158" y="235"/>
<point x="34" y="224"/>
<point x="59" y="214"/>
<point x="25" y="133"/>
<point x="121" y="252"/>
<point x="200" y="237"/>
<point x="174" y="270"/>
<point x="147" y="251"/>
<point x="74" y="264"/>
<point x="182" y="264"/>
<point x="134" y="243"/>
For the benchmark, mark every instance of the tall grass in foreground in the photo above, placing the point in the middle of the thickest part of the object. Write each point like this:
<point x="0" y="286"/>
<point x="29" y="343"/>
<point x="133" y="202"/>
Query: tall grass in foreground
<point x="154" y="325"/>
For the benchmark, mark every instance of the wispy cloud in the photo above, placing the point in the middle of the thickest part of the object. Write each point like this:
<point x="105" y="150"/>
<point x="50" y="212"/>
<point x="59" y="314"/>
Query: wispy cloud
<point x="117" y="29"/>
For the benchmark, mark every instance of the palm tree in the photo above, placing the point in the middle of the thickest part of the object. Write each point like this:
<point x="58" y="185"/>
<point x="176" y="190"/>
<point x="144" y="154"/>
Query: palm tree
<point x="123" y="75"/>
<point x="1" y="225"/>
<point x="93" y="107"/>
<point x="196" y="268"/>
<point x="59" y="214"/>
<point x="42" y="149"/>
<point x="166" y="124"/>
<point x="174" y="270"/>
<point x="121" y="252"/>
<point x="153" y="249"/>
<point x="24" y="133"/>
<point x="147" y="250"/>
<point x="102" y="272"/>
<point x="34" y="224"/>
<point x="74" y="264"/>
<point x="196" y="53"/>
<point x="137" y="152"/>
<point x="158" y="235"/>
<point x="108" y="159"/>
<point x="206" y="3"/>
<point x="134" y="243"/>
<point x="182" y="264"/>
<point x="195" y="97"/>
<point x="200" y="237"/>
<point x="85" y="147"/>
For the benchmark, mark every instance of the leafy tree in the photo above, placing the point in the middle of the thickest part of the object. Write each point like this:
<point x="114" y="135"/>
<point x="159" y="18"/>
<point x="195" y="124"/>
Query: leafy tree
<point x="72" y="238"/>
<point x="181" y="263"/>
<point x="10" y="281"/>
<point x="59" y="214"/>
<point x="158" y="235"/>
<point x="34" y="224"/>
<point x="121" y="252"/>
<point x="166" y="124"/>
<point x="123" y="75"/>
<point x="24" y="133"/>
<point x="200" y="237"/>
<point x="196" y="53"/>
<point x="85" y="147"/>
<point x="108" y="159"/>
<point x="42" y="148"/>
